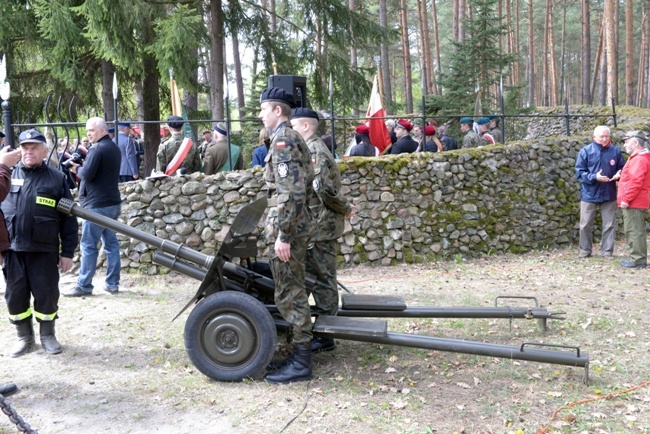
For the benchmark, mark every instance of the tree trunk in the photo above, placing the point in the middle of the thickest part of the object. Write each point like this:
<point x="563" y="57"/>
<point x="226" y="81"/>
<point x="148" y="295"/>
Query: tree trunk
<point x="456" y="20"/>
<point x="434" y="14"/>
<point x="385" y="60"/>
<point x="586" y="52"/>
<point x="423" y="49"/>
<point x="216" y="64"/>
<point x="617" y="19"/>
<point x="531" y="57"/>
<point x="462" y="10"/>
<point x="597" y="62"/>
<point x="273" y="18"/>
<point x="353" y="62"/>
<point x="431" y="78"/>
<point x="150" y="101"/>
<point x="629" y="53"/>
<point x="239" y="79"/>
<point x="640" y="84"/>
<point x="610" y="38"/>
<point x="546" y="88"/>
<point x="563" y="84"/>
<point x="408" y="91"/>
<point x="108" y="71"/>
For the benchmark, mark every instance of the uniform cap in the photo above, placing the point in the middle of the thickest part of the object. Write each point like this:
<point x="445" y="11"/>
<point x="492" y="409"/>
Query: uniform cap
<point x="637" y="134"/>
<point x="221" y="128"/>
<point x="124" y="124"/>
<point x="31" y="136"/>
<point x="429" y="130"/>
<point x="467" y="120"/>
<point x="304" y="112"/>
<point x="483" y="121"/>
<point x="111" y="130"/>
<point x="405" y="124"/>
<point x="278" y="95"/>
<point x="2" y="134"/>
<point x="362" y="129"/>
<point x="175" y="122"/>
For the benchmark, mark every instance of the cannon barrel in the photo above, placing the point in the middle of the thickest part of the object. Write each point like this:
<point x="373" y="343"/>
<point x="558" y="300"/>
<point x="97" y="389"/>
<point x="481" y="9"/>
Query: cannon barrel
<point x="69" y="207"/>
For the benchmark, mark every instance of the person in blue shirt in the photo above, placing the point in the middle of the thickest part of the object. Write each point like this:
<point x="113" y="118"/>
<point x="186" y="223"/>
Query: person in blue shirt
<point x="598" y="167"/>
<point x="259" y="154"/>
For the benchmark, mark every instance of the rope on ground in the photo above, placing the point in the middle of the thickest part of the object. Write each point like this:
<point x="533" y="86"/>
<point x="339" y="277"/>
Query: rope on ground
<point x="544" y="429"/>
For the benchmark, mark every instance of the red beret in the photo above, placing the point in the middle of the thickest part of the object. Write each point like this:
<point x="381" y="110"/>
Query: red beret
<point x="406" y="124"/>
<point x="362" y="129"/>
<point x="429" y="130"/>
<point x="433" y="122"/>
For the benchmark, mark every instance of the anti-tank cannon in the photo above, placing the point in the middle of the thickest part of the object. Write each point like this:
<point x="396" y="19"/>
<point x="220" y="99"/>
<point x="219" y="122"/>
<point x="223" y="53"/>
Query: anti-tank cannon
<point x="230" y="334"/>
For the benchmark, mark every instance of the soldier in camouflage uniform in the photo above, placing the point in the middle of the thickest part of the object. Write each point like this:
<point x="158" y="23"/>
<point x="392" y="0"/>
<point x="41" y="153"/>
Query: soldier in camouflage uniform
<point x="471" y="139"/>
<point x="329" y="208"/>
<point x="289" y="175"/>
<point x="495" y="131"/>
<point x="167" y="150"/>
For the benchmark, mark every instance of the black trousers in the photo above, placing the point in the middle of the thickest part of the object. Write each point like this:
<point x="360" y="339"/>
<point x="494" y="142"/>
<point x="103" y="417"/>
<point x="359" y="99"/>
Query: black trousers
<point x="30" y="274"/>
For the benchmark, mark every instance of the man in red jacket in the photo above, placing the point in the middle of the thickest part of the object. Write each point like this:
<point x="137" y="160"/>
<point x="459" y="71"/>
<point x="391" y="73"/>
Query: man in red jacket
<point x="633" y="199"/>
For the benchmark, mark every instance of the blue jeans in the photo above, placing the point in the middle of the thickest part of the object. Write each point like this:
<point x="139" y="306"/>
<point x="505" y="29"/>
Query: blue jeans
<point x="90" y="236"/>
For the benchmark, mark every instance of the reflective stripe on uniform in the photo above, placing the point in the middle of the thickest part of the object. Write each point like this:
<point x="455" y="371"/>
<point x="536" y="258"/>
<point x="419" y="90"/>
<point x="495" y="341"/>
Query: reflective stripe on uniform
<point x="21" y="316"/>
<point x="45" y="316"/>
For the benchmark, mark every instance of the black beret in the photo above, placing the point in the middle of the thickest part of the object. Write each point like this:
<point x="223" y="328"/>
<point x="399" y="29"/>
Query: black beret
<point x="304" y="112"/>
<point x="175" y="122"/>
<point x="31" y="136"/>
<point x="2" y="134"/>
<point x="278" y="95"/>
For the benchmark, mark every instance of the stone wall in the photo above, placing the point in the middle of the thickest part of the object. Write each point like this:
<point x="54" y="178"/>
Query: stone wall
<point x="412" y="208"/>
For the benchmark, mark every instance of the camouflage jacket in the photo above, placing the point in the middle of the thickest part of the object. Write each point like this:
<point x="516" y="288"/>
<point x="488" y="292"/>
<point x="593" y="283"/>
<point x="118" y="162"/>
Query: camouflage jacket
<point x="497" y="134"/>
<point x="167" y="150"/>
<point x="289" y="176"/>
<point x="472" y="140"/>
<point x="330" y="210"/>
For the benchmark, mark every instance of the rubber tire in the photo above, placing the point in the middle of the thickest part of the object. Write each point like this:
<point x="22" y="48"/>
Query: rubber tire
<point x="230" y="336"/>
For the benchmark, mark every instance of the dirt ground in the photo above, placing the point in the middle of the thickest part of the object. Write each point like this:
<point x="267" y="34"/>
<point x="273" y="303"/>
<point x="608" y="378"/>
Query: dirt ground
<point x="124" y="368"/>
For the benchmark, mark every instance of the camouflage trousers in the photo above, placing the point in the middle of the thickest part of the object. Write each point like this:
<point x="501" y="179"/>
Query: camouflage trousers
<point x="290" y="295"/>
<point x="321" y="262"/>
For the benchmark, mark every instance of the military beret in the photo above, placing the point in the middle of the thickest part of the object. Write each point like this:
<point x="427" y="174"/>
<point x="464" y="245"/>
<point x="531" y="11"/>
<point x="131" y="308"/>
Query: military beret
<point x="278" y="95"/>
<point x="304" y="112"/>
<point x="362" y="129"/>
<point x="405" y="124"/>
<point x="467" y="120"/>
<point x="433" y="122"/>
<point x="639" y="135"/>
<point x="31" y="136"/>
<point x="483" y="121"/>
<point x="207" y="132"/>
<point x="429" y="130"/>
<point x="2" y="134"/>
<point x="221" y="128"/>
<point x="175" y="122"/>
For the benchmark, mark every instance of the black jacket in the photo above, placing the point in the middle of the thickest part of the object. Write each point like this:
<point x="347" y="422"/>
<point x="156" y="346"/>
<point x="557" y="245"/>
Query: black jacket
<point x="33" y="223"/>
<point x="404" y="145"/>
<point x="100" y="175"/>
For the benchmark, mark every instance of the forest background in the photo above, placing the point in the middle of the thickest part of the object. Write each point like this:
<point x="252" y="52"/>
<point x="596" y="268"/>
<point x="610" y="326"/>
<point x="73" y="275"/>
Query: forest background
<point x="429" y="53"/>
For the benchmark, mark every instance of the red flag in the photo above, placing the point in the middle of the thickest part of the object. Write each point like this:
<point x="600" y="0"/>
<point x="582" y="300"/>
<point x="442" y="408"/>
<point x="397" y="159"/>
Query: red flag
<point x="379" y="136"/>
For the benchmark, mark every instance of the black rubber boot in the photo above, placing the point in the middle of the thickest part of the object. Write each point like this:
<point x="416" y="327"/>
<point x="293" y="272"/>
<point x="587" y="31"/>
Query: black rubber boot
<point x="299" y="369"/>
<point x="48" y="339"/>
<point x="7" y="389"/>
<point x="25" y="344"/>
<point x="319" y="344"/>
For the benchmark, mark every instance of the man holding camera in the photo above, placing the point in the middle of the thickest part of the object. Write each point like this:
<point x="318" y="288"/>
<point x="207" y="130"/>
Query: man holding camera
<point x="98" y="192"/>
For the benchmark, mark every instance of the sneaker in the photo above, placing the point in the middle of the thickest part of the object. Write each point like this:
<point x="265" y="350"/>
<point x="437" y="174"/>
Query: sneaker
<point x="112" y="289"/>
<point x="631" y="264"/>
<point x="75" y="292"/>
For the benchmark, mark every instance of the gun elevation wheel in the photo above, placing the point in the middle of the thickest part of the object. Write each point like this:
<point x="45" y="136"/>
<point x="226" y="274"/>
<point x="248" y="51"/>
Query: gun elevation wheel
<point x="230" y="336"/>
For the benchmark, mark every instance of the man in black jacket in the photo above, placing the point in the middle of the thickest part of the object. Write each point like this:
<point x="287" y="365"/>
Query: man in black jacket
<point x="35" y="227"/>
<point x="98" y="192"/>
<point x="404" y="143"/>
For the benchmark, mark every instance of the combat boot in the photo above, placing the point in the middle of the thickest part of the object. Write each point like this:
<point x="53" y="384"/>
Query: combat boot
<point x="48" y="339"/>
<point x="319" y="344"/>
<point x="25" y="343"/>
<point x="274" y="366"/>
<point x="298" y="369"/>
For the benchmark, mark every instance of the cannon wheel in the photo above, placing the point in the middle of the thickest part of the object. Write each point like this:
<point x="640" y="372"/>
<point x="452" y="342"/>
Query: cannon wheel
<point x="230" y="336"/>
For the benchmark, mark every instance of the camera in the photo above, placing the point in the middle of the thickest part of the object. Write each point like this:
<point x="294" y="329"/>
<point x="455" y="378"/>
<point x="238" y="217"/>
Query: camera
<point x="77" y="157"/>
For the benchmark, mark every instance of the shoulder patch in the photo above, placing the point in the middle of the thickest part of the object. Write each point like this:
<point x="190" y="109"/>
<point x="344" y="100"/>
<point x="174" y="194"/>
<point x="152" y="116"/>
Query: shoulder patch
<point x="281" y="145"/>
<point x="283" y="170"/>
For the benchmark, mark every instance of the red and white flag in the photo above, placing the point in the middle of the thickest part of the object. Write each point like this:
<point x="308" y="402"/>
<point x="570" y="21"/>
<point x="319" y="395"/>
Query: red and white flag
<point x="379" y="136"/>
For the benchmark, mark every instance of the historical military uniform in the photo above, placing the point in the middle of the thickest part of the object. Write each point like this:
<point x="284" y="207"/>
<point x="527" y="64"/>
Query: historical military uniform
<point x="289" y="176"/>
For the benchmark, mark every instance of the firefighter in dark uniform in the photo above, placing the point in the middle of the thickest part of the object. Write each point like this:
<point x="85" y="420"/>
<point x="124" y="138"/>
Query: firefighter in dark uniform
<point x="289" y="175"/>
<point x="31" y="265"/>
